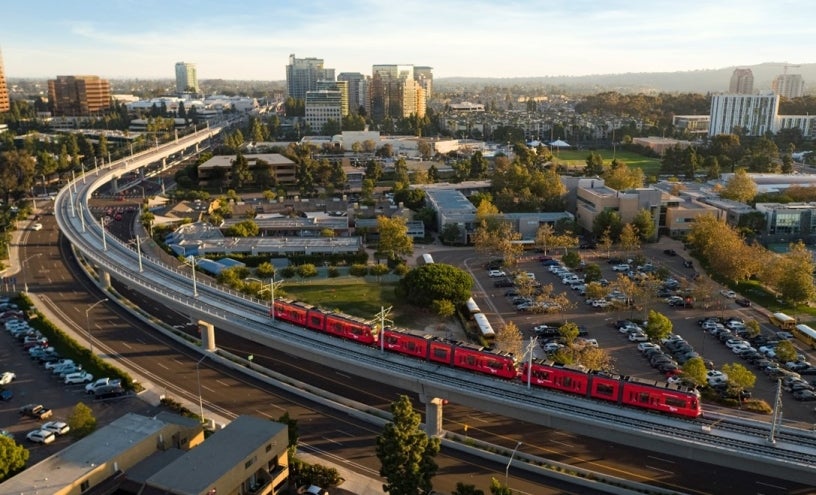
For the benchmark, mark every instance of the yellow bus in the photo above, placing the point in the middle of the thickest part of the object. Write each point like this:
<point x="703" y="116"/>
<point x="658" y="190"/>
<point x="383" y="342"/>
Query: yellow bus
<point x="806" y="335"/>
<point x="783" y="321"/>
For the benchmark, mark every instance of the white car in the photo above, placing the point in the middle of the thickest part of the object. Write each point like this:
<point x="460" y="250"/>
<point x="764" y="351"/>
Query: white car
<point x="7" y="377"/>
<point x="496" y="273"/>
<point x="731" y="343"/>
<point x="101" y="382"/>
<point x="623" y="267"/>
<point x="643" y="346"/>
<point x="730" y="294"/>
<point x="638" y="337"/>
<point x="36" y="226"/>
<point x="551" y="347"/>
<point x="60" y="362"/>
<point x="78" y="377"/>
<point x="56" y="427"/>
<point x="41" y="436"/>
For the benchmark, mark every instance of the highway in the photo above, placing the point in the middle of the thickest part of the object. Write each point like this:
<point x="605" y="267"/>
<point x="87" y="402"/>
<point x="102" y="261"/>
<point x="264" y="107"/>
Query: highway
<point x="202" y="297"/>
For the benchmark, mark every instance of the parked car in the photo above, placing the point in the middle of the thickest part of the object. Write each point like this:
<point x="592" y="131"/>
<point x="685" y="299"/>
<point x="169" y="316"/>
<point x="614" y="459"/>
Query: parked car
<point x="78" y="377"/>
<point x="7" y="377"/>
<point x="670" y="252"/>
<point x="41" y="436"/>
<point x="743" y="301"/>
<point x="36" y="411"/>
<point x="106" y="391"/>
<point x="101" y="382"/>
<point x="59" y="362"/>
<point x="57" y="427"/>
<point x="496" y="273"/>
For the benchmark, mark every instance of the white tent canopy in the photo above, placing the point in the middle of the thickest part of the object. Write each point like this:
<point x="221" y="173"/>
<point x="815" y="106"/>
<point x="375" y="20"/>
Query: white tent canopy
<point x="558" y="143"/>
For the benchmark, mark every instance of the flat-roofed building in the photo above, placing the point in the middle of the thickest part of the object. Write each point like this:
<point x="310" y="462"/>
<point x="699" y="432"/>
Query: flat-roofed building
<point x="78" y="95"/>
<point x="695" y="125"/>
<point x="591" y="201"/>
<point x="186" y="78"/>
<point x="660" y="144"/>
<point x="323" y="106"/>
<point x="751" y="115"/>
<point x="5" y="104"/>
<point x="279" y="169"/>
<point x="107" y="454"/>
<point x="788" y="221"/>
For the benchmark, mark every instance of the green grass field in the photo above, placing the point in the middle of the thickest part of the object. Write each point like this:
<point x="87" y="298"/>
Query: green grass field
<point x="572" y="158"/>
<point x="351" y="295"/>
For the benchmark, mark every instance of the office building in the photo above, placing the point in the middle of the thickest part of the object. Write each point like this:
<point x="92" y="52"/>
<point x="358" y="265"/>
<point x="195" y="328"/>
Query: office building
<point x="186" y="78"/>
<point x="78" y="95"/>
<point x="395" y="92"/>
<point x="751" y="115"/>
<point x="424" y="76"/>
<point x="788" y="86"/>
<point x="302" y="75"/>
<point x="343" y="88"/>
<point x="742" y="81"/>
<point x="4" y="96"/>
<point x="321" y="107"/>
<point x="357" y="90"/>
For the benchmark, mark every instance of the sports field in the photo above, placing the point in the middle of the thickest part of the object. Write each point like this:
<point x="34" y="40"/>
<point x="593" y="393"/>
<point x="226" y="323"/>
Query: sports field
<point x="573" y="158"/>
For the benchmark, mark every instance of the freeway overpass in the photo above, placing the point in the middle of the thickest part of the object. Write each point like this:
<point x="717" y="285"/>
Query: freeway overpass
<point x="731" y="442"/>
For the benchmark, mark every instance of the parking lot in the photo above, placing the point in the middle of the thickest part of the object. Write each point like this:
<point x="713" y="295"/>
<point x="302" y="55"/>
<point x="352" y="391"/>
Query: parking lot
<point x="36" y="385"/>
<point x="627" y="359"/>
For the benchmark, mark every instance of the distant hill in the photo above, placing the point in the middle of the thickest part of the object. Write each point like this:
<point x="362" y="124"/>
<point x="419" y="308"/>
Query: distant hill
<point x="697" y="81"/>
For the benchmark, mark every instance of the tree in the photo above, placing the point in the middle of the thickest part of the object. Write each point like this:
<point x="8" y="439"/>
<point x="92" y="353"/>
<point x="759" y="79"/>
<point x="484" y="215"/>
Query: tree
<point x="592" y="273"/>
<point x="644" y="224"/>
<point x="425" y="284"/>
<point x="81" y="420"/>
<point x="378" y="270"/>
<point x="13" y="457"/>
<point x="785" y="352"/>
<point x="694" y="370"/>
<point x="571" y="259"/>
<point x="395" y="243"/>
<point x="629" y="238"/>
<point x="509" y="339"/>
<point x="595" y="358"/>
<point x="497" y="488"/>
<point x="406" y="453"/>
<point x="246" y="228"/>
<point x="793" y="275"/>
<point x="451" y="234"/>
<point x="740" y="187"/>
<point x="306" y="270"/>
<point x="739" y="376"/>
<point x="463" y="489"/>
<point x="605" y="241"/>
<point x="594" y="165"/>
<point x="607" y="223"/>
<point x="444" y="308"/>
<point x="658" y="326"/>
<point x="293" y="430"/>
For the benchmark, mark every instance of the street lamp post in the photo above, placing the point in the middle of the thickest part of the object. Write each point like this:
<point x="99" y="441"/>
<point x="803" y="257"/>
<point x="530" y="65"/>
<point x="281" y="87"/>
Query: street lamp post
<point x="272" y="286"/>
<point x="192" y="262"/>
<point x="507" y="469"/>
<point x="198" y="379"/>
<point x="25" y="279"/>
<point x="88" y="320"/>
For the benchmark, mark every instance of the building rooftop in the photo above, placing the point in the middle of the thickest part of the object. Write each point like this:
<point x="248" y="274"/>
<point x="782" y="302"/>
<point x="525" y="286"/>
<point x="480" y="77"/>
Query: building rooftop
<point x="199" y="468"/>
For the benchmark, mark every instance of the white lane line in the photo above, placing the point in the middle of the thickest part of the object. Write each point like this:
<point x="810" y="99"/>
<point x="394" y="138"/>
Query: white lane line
<point x="332" y="441"/>
<point x="343" y="375"/>
<point x="565" y="444"/>
<point x="127" y="345"/>
<point x="222" y="383"/>
<point x="661" y="470"/>
<point x="344" y="433"/>
<point x="772" y="486"/>
<point x="207" y="388"/>
<point x="661" y="459"/>
<point x="163" y="366"/>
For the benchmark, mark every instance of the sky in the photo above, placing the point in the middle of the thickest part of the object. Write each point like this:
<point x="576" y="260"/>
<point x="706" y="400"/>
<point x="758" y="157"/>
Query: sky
<point x="252" y="39"/>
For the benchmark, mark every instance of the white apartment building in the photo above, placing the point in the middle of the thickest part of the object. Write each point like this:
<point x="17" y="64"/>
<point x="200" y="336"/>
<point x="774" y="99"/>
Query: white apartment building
<point x="753" y="114"/>
<point x="789" y="85"/>
<point x="322" y="106"/>
<point x="186" y="78"/>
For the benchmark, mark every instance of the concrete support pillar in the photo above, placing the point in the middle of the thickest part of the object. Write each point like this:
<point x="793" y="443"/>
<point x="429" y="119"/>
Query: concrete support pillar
<point x="207" y="332"/>
<point x="196" y="147"/>
<point x="164" y="163"/>
<point x="104" y="278"/>
<point x="433" y="416"/>
<point x="141" y="173"/>
<point x="115" y="185"/>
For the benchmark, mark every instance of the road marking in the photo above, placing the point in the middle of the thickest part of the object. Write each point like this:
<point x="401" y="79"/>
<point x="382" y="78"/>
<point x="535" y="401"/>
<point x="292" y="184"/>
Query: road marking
<point x="661" y="459"/>
<point x="127" y="345"/>
<point x="772" y="486"/>
<point x="658" y="469"/>
<point x="208" y="388"/>
<point x="163" y="366"/>
<point x="345" y="433"/>
<point x="565" y="444"/>
<point x="343" y="375"/>
<point x="222" y="382"/>
<point x="332" y="441"/>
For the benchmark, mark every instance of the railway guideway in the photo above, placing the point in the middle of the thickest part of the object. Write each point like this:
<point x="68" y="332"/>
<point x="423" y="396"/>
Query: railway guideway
<point x="735" y="448"/>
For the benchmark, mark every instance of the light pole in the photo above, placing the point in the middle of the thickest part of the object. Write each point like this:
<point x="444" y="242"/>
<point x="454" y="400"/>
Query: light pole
<point x="139" y="252"/>
<point x="25" y="281"/>
<point x="271" y="288"/>
<point x="198" y="379"/>
<point x="88" y="320"/>
<point x="192" y="262"/>
<point x="507" y="469"/>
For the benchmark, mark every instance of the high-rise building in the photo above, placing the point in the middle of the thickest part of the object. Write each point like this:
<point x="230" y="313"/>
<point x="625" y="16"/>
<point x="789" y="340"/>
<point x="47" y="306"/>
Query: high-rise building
<point x="78" y="95"/>
<point x="356" y="90"/>
<point x="186" y="78"/>
<point x="322" y="106"/>
<point x="789" y="85"/>
<point x="342" y="87"/>
<point x="424" y="76"/>
<point x="302" y="75"/>
<point x="752" y="115"/>
<point x="742" y="81"/>
<point x="4" y="96"/>
<point x="395" y="92"/>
